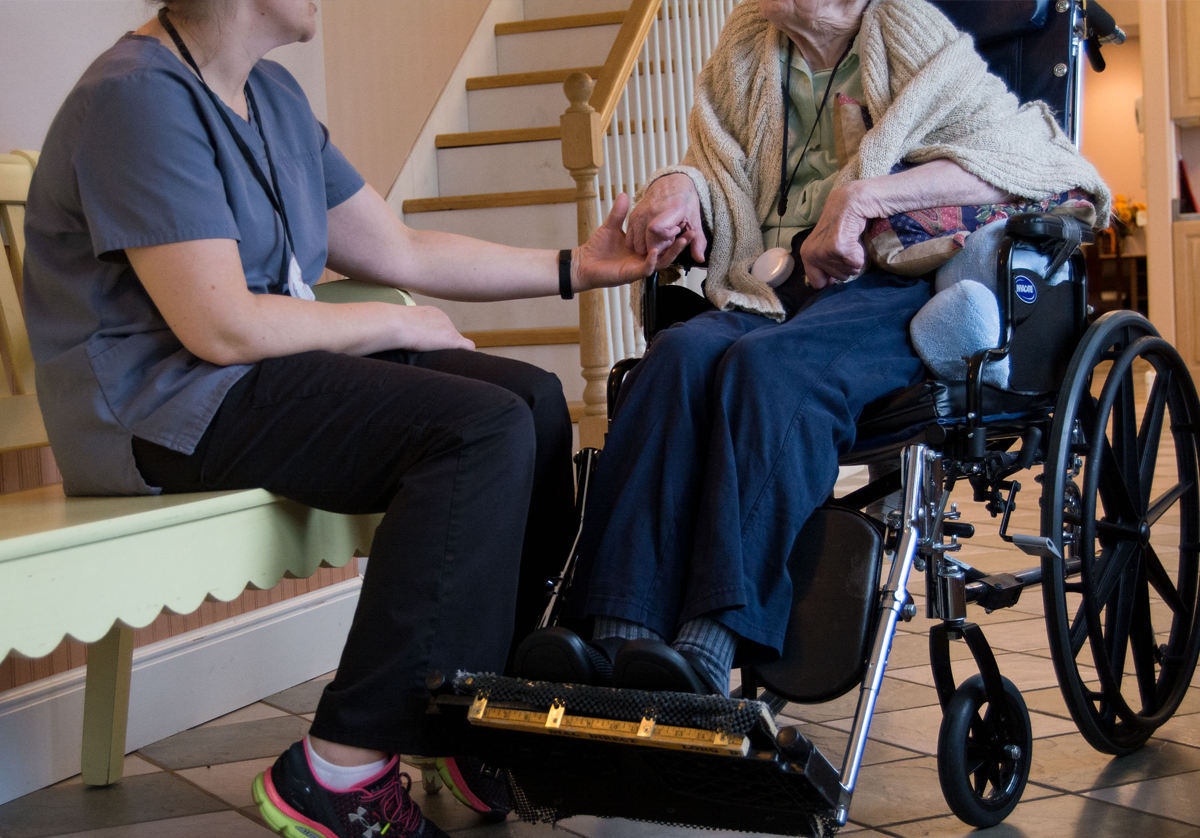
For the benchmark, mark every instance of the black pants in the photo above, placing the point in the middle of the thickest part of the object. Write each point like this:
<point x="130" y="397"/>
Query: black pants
<point x="469" y="457"/>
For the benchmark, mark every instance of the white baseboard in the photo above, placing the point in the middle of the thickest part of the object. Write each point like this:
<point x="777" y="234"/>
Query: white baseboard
<point x="177" y="683"/>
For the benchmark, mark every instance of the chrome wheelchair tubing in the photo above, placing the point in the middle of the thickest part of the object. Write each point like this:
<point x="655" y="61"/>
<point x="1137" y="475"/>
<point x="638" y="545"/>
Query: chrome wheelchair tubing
<point x="1078" y="54"/>
<point x="585" y="466"/>
<point x="892" y="602"/>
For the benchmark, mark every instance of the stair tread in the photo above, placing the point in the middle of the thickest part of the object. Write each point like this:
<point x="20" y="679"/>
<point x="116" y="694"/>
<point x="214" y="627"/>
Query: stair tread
<point x="550" y="24"/>
<point x="523" y="79"/>
<point x="489" y="200"/>
<point x="498" y="137"/>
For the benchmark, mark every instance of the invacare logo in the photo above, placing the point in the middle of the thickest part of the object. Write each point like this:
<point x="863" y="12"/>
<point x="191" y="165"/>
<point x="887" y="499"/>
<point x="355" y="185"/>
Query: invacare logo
<point x="1026" y="290"/>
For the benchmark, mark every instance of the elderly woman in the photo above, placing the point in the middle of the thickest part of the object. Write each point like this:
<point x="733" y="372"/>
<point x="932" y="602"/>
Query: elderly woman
<point x="729" y="432"/>
<point x="185" y="200"/>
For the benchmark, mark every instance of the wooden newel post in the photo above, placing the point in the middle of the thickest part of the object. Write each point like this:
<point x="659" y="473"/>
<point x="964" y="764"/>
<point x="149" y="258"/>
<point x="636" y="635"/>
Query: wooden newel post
<point x="583" y="153"/>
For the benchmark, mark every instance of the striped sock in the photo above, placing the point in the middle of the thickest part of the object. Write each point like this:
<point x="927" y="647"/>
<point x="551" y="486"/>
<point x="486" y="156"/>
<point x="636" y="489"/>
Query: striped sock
<point x="624" y="629"/>
<point x="710" y="645"/>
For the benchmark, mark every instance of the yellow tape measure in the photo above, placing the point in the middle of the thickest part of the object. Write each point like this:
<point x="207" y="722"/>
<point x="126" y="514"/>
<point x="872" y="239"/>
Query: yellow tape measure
<point x="645" y="732"/>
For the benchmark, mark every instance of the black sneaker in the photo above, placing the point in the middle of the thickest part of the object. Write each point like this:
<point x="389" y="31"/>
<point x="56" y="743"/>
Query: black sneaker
<point x="478" y="785"/>
<point x="295" y="804"/>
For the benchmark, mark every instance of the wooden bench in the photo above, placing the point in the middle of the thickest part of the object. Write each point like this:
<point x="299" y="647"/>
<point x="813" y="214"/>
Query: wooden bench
<point x="97" y="568"/>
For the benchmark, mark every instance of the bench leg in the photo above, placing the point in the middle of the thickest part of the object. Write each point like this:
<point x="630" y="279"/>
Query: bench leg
<point x="106" y="706"/>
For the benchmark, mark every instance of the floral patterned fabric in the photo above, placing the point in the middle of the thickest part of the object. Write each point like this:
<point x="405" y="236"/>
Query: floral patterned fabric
<point x="917" y="242"/>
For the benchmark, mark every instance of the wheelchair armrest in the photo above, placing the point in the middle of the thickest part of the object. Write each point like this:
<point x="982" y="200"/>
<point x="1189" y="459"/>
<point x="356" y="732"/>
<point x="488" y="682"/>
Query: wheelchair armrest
<point x="1057" y="236"/>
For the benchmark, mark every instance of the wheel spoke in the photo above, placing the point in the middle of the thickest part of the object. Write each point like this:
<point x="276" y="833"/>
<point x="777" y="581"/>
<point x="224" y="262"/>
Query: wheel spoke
<point x="1118" y="504"/>
<point x="1165" y="501"/>
<point x="1141" y="642"/>
<point x="1161" y="580"/>
<point x="1150" y="433"/>
<point x="1118" y="618"/>
<point x="1111" y="564"/>
<point x="1125" y="438"/>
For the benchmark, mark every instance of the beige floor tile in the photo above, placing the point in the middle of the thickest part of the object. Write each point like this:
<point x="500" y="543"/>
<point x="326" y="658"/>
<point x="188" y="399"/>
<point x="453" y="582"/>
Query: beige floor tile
<point x="898" y="791"/>
<point x="247" y="714"/>
<point x="917" y="729"/>
<point x="231" y="781"/>
<point x="216" y="825"/>
<point x="1064" y="816"/>
<point x="620" y="828"/>
<point x="1171" y="797"/>
<point x="832" y="744"/>
<point x="1028" y="672"/>
<point x="1182" y="729"/>
<point x="894" y="695"/>
<point x="134" y="766"/>
<point x="910" y="650"/>
<point x="1070" y="764"/>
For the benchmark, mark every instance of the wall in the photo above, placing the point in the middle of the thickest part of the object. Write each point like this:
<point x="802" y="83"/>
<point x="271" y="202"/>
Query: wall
<point x="45" y="45"/>
<point x="1110" y="135"/>
<point x="386" y="64"/>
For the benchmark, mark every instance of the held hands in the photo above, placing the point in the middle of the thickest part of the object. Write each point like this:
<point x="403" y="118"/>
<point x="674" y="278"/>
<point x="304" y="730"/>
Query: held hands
<point x="833" y="253"/>
<point x="666" y="221"/>
<point x="605" y="259"/>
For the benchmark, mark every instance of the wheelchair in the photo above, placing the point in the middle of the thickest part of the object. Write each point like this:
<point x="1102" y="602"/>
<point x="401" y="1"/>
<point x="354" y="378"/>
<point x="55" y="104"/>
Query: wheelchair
<point x="1109" y="477"/>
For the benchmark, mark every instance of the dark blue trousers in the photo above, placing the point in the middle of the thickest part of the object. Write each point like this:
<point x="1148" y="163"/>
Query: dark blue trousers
<point x="727" y="438"/>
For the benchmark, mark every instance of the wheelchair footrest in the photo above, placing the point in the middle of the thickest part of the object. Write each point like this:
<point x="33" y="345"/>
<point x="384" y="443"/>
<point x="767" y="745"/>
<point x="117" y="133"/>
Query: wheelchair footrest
<point x="700" y="761"/>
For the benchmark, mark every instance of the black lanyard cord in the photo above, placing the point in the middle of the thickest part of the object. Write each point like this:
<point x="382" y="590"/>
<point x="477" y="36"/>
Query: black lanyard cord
<point x="271" y="188"/>
<point x="785" y="182"/>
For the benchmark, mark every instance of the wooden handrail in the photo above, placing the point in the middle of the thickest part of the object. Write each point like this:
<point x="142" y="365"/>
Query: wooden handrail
<point x="623" y="57"/>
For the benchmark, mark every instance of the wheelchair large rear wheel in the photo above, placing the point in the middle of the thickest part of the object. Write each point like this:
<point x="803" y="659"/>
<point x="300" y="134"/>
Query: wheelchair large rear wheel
<point x="1121" y="499"/>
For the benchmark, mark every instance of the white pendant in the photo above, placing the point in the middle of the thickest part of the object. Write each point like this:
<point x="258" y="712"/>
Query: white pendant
<point x="773" y="267"/>
<point x="297" y="287"/>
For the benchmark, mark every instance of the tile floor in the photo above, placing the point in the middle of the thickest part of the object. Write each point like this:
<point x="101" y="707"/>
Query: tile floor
<point x="197" y="783"/>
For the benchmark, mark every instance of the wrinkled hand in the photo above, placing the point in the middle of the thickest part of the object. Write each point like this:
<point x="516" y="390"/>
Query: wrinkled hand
<point x="605" y="260"/>
<point x="667" y="219"/>
<point x="425" y="328"/>
<point x="833" y="252"/>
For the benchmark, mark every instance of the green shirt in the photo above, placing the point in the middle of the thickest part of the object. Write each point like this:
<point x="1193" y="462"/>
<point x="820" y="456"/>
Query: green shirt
<point x="814" y="178"/>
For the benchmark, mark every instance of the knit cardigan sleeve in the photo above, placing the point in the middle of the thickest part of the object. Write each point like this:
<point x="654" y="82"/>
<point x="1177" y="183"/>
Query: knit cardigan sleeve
<point x="734" y="145"/>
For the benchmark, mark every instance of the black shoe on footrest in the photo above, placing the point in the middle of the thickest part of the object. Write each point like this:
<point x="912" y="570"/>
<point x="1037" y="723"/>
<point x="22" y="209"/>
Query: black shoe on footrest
<point x="654" y="666"/>
<point x="561" y="656"/>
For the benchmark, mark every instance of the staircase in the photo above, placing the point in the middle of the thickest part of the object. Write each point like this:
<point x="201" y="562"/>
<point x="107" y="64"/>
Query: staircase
<point x="503" y="179"/>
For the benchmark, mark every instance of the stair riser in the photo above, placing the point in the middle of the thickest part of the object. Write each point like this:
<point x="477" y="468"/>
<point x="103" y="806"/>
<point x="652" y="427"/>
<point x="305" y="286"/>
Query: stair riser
<point x="515" y="107"/>
<point x="531" y="52"/>
<point x="551" y="226"/>
<point x="506" y="167"/>
<point x="558" y="8"/>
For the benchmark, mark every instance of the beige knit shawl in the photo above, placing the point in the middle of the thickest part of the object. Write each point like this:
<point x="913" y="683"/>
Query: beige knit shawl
<point x="930" y="96"/>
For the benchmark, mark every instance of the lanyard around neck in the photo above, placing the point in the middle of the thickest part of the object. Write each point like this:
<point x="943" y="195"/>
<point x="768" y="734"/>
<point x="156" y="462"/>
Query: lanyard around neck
<point x="785" y="182"/>
<point x="271" y="187"/>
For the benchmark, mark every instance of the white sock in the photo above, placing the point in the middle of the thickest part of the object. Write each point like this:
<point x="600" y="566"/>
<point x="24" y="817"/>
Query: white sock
<point x="340" y="777"/>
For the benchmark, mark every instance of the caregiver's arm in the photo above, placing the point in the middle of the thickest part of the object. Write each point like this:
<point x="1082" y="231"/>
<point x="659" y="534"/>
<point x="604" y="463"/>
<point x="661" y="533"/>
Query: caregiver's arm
<point x="834" y="252"/>
<point x="367" y="241"/>
<point x="200" y="290"/>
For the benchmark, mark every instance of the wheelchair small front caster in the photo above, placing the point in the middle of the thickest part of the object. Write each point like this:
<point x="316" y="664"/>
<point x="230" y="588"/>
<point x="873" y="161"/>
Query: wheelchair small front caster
<point x="984" y="758"/>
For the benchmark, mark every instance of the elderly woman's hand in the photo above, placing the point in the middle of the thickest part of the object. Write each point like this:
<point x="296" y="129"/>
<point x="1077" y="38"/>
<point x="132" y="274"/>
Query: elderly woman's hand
<point x="667" y="219"/>
<point x="605" y="259"/>
<point x="833" y="253"/>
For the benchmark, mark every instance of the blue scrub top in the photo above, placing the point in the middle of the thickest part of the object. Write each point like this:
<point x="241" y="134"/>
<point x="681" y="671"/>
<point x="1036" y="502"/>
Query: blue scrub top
<point x="138" y="155"/>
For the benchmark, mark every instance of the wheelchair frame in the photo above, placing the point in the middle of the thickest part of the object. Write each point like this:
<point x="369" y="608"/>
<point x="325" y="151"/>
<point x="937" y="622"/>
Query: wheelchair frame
<point x="1097" y="515"/>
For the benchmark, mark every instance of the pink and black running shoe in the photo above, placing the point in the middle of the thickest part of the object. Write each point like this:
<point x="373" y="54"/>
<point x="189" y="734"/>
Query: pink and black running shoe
<point x="478" y="785"/>
<point x="295" y="804"/>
